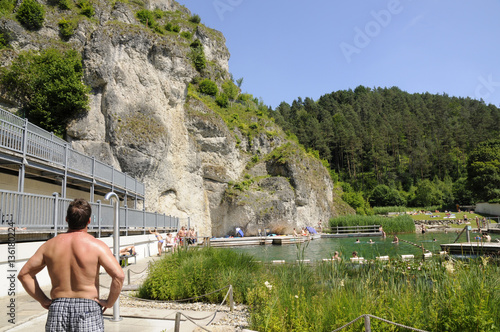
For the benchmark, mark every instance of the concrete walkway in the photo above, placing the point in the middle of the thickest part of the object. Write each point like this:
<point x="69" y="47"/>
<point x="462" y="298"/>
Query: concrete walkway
<point x="30" y="316"/>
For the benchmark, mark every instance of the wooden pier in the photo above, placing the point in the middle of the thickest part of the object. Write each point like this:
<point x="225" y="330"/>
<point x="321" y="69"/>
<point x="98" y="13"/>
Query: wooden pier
<point x="240" y="241"/>
<point x="472" y="248"/>
<point x="352" y="231"/>
<point x="261" y="240"/>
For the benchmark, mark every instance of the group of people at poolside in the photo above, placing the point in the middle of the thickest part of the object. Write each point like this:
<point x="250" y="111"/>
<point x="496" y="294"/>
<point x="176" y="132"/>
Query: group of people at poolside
<point x="183" y="237"/>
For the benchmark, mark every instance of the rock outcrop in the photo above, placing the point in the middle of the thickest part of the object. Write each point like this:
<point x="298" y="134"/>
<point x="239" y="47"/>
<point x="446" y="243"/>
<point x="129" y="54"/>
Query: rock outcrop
<point x="193" y="165"/>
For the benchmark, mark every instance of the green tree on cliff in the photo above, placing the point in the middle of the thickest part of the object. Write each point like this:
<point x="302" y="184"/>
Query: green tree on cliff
<point x="48" y="86"/>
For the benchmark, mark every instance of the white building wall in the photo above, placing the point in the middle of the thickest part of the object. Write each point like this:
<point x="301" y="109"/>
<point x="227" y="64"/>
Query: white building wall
<point x="145" y="245"/>
<point x="493" y="209"/>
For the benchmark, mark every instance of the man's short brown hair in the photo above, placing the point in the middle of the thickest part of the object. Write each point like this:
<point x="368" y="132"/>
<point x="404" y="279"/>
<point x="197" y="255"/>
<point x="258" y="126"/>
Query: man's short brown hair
<point x="78" y="214"/>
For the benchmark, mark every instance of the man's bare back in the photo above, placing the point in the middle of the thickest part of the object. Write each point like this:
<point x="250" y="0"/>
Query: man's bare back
<point x="73" y="260"/>
<point x="83" y="254"/>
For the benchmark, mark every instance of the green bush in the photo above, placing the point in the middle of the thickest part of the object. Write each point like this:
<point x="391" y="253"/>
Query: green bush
<point x="198" y="57"/>
<point x="189" y="273"/>
<point x="158" y="13"/>
<point x="48" y="86"/>
<point x="64" y="4"/>
<point x="168" y="26"/>
<point x="222" y="100"/>
<point x="176" y="28"/>
<point x="195" y="19"/>
<point x="31" y="14"/>
<point x="230" y="89"/>
<point x="196" y="44"/>
<point x="7" y="6"/>
<point x="67" y="28"/>
<point x="86" y="8"/>
<point x="3" y="41"/>
<point x="208" y="87"/>
<point x="186" y="34"/>
<point x="146" y="17"/>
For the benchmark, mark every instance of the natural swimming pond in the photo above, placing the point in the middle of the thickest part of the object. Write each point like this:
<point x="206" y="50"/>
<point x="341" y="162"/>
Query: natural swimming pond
<point x="324" y="248"/>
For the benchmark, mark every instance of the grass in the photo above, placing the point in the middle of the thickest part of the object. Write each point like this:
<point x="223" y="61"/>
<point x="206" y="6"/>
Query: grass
<point x="399" y="224"/>
<point x="433" y="295"/>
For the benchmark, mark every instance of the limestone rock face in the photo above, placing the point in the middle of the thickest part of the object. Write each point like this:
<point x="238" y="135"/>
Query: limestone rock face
<point x="193" y="165"/>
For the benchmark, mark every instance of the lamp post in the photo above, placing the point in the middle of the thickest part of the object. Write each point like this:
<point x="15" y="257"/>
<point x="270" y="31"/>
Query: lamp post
<point x="116" y="245"/>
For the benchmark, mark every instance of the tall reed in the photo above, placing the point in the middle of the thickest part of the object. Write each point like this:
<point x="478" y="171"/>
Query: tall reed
<point x="399" y="224"/>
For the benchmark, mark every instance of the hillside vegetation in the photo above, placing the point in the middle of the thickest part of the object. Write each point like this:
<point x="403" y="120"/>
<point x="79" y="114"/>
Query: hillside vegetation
<point x="400" y="148"/>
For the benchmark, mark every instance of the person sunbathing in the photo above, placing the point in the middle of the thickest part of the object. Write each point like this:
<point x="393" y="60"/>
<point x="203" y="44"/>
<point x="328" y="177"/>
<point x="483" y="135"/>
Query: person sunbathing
<point x="130" y="250"/>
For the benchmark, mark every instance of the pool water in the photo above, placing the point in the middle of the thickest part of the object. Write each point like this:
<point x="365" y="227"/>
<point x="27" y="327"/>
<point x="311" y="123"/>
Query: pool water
<point x="325" y="247"/>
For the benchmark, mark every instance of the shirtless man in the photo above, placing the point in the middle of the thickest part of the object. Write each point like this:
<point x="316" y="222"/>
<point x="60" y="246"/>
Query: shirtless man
<point x="181" y="234"/>
<point x="73" y="260"/>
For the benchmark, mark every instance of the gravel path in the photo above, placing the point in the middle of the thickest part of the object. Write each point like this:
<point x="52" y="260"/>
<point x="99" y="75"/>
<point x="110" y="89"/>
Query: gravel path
<point x="237" y="319"/>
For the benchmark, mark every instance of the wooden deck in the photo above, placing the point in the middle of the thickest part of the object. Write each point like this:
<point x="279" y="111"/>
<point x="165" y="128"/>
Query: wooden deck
<point x="472" y="248"/>
<point x="260" y="240"/>
<point x="240" y="241"/>
<point x="289" y="239"/>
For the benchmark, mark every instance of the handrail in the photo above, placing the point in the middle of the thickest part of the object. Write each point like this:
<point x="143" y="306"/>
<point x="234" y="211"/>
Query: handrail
<point x="45" y="146"/>
<point x="39" y="212"/>
<point x="354" y="229"/>
<point x="460" y="234"/>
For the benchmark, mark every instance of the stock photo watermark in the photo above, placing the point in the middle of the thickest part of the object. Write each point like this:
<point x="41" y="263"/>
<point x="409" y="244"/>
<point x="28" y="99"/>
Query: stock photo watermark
<point x="11" y="267"/>
<point x="486" y="87"/>
<point x="224" y="6"/>
<point x="363" y="36"/>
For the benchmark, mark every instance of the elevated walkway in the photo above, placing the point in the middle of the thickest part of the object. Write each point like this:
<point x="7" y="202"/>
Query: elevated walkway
<point x="29" y="152"/>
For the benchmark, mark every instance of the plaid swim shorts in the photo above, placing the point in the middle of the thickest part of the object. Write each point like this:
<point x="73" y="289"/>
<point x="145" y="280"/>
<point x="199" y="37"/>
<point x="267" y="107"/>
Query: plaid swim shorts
<point x="67" y="314"/>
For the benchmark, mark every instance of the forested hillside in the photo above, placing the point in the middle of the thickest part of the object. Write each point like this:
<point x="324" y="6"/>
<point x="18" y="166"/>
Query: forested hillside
<point x="386" y="136"/>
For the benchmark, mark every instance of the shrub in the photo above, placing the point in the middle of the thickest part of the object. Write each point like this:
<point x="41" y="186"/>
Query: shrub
<point x="176" y="28"/>
<point x="146" y="17"/>
<point x="208" y="87"/>
<point x="67" y="28"/>
<point x="222" y="100"/>
<point x="186" y="34"/>
<point x="196" y="44"/>
<point x="196" y="19"/>
<point x="168" y="26"/>
<point x="31" y="14"/>
<point x="48" y="86"/>
<point x="63" y="4"/>
<point x="197" y="272"/>
<point x="158" y="13"/>
<point x="86" y="8"/>
<point x="230" y="89"/>
<point x="3" y="41"/>
<point x="198" y="56"/>
<point x="7" y="6"/>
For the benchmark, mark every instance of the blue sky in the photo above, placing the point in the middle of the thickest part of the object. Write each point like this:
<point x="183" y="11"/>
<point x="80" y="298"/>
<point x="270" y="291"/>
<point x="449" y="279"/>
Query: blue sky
<point x="290" y="49"/>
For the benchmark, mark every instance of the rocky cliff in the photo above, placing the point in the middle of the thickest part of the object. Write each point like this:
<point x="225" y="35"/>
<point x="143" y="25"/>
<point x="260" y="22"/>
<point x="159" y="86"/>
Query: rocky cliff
<point x="144" y="120"/>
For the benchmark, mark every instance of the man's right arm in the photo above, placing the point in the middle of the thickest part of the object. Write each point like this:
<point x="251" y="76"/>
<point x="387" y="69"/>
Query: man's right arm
<point x="113" y="268"/>
<point x="27" y="277"/>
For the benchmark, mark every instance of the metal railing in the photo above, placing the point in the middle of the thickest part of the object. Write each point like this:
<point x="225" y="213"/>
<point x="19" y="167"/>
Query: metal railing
<point x="352" y="229"/>
<point x="20" y="136"/>
<point x="38" y="212"/>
